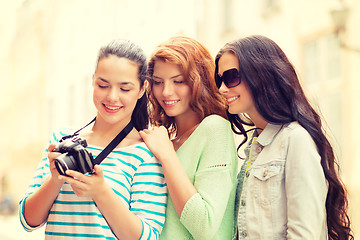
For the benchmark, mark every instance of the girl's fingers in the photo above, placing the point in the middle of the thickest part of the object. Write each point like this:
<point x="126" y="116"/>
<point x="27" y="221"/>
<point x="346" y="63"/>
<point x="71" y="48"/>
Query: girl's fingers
<point x="75" y="174"/>
<point x="51" y="147"/>
<point x="74" y="182"/>
<point x="146" y="131"/>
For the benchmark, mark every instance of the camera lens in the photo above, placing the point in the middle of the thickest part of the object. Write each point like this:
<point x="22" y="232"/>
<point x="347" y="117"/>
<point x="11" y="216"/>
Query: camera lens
<point x="59" y="166"/>
<point x="65" y="162"/>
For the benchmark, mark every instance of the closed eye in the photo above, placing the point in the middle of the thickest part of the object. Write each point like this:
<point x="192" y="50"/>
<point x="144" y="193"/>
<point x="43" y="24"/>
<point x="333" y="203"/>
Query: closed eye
<point x="102" y="86"/>
<point x="157" y="82"/>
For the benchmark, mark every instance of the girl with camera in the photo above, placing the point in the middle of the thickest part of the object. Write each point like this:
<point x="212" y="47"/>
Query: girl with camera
<point x="288" y="186"/>
<point x="125" y="195"/>
<point x="199" y="160"/>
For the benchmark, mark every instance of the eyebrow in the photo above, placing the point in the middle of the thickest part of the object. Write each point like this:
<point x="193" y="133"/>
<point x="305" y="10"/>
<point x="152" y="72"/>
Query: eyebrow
<point x="176" y="76"/>
<point x="120" y="83"/>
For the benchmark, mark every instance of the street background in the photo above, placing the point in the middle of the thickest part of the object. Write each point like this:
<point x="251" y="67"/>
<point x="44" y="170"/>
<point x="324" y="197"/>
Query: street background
<point x="48" y="51"/>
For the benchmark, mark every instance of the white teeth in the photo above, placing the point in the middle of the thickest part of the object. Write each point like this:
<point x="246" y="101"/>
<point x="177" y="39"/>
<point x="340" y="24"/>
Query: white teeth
<point x="232" y="98"/>
<point x="112" y="108"/>
<point x="171" y="102"/>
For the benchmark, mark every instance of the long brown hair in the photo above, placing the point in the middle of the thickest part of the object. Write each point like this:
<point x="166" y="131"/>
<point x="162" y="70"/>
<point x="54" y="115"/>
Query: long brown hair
<point x="198" y="68"/>
<point x="280" y="99"/>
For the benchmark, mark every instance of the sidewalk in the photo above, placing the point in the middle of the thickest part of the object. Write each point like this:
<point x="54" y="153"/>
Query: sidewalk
<point x="11" y="229"/>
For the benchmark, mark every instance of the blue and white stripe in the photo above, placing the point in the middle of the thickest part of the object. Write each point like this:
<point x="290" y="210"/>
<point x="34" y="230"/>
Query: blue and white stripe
<point x="134" y="175"/>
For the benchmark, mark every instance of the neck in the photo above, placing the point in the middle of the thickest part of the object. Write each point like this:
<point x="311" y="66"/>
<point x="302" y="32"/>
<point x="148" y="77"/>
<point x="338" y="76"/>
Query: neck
<point x="186" y="125"/>
<point x="185" y="128"/>
<point x="107" y="129"/>
<point x="259" y="121"/>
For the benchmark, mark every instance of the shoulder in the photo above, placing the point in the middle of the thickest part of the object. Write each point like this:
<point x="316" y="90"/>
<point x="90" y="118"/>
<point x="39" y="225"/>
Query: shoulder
<point x="295" y="131"/>
<point x="214" y="122"/>
<point x="213" y="130"/>
<point x="297" y="136"/>
<point x="138" y="149"/>
<point x="143" y="150"/>
<point x="148" y="161"/>
<point x="60" y="133"/>
<point x="137" y="155"/>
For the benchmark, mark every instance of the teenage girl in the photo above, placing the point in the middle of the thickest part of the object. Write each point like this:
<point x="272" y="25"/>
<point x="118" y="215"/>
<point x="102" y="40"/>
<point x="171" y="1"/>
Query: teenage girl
<point x="288" y="186"/>
<point x="125" y="197"/>
<point x="199" y="159"/>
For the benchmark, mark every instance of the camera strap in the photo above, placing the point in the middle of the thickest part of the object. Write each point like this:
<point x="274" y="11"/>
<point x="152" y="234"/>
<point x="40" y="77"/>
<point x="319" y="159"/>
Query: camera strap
<point x="127" y="129"/>
<point x="77" y="131"/>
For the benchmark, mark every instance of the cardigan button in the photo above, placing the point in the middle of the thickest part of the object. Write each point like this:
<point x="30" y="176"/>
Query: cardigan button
<point x="258" y="149"/>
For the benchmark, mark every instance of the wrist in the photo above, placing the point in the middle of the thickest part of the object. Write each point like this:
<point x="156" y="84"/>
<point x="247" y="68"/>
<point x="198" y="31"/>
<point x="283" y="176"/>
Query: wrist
<point x="101" y="193"/>
<point x="55" y="181"/>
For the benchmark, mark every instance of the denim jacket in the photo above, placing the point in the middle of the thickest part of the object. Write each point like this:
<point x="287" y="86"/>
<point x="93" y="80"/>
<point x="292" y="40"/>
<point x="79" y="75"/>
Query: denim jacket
<point x="284" y="188"/>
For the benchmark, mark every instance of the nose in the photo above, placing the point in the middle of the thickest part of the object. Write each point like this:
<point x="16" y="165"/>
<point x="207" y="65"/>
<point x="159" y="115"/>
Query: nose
<point x="168" y="89"/>
<point x="113" y="95"/>
<point x="223" y="89"/>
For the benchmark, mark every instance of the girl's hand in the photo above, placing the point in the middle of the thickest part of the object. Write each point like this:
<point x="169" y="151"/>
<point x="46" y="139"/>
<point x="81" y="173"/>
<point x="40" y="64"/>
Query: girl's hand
<point x="54" y="173"/>
<point x="86" y="185"/>
<point x="158" y="141"/>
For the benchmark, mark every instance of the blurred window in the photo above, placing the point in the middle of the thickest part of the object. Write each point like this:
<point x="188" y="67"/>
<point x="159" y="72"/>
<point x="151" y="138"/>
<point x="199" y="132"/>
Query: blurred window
<point x="323" y="82"/>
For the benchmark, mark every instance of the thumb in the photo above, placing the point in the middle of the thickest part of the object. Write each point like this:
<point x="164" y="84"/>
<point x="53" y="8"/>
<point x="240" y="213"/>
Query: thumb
<point x="51" y="147"/>
<point x="98" y="170"/>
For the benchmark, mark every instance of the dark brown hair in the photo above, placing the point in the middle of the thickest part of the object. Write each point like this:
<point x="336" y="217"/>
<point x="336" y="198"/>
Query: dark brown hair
<point x="122" y="48"/>
<point x="280" y="99"/>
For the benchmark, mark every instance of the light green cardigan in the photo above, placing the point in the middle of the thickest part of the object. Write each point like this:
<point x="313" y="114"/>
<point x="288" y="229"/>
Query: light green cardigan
<point x="210" y="160"/>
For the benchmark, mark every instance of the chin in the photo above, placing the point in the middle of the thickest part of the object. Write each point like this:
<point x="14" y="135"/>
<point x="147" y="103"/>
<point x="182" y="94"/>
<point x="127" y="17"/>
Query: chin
<point x="231" y="111"/>
<point x="170" y="113"/>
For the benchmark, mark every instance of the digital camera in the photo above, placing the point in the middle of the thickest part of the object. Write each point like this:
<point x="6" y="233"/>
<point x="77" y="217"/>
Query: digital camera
<point x="74" y="156"/>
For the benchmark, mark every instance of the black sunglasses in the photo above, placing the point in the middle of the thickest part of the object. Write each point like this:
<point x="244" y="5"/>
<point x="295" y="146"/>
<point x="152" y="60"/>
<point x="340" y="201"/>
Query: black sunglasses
<point x="231" y="78"/>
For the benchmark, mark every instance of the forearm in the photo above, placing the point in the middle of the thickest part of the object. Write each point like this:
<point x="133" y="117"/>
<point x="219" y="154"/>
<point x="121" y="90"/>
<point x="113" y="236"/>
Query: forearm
<point x="205" y="211"/>
<point x="123" y="223"/>
<point x="38" y="204"/>
<point x="179" y="185"/>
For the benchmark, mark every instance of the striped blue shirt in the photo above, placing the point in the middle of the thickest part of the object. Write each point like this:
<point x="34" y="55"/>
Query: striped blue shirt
<point x="134" y="175"/>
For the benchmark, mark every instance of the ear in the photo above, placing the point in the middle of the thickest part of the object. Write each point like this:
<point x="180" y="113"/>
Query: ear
<point x="143" y="89"/>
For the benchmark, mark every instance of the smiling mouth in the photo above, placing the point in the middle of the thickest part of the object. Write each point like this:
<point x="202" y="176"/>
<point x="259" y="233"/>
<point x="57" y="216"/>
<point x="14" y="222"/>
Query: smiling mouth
<point x="172" y="102"/>
<point x="232" y="99"/>
<point x="111" y="107"/>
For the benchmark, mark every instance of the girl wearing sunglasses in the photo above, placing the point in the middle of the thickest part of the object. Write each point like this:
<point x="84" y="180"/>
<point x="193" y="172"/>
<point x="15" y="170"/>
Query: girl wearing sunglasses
<point x="288" y="185"/>
<point x="200" y="160"/>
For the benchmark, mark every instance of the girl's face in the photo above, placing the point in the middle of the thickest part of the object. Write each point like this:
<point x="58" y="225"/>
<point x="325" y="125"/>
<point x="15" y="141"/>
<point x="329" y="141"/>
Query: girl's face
<point x="116" y="89"/>
<point x="239" y="98"/>
<point x="170" y="89"/>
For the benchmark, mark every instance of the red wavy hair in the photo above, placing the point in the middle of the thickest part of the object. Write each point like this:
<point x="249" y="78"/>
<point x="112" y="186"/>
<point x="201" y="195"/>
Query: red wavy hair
<point x="198" y="67"/>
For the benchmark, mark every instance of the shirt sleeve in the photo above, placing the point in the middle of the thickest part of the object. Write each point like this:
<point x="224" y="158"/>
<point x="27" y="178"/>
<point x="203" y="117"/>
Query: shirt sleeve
<point x="41" y="173"/>
<point x="215" y="182"/>
<point x="148" y="198"/>
<point x="306" y="187"/>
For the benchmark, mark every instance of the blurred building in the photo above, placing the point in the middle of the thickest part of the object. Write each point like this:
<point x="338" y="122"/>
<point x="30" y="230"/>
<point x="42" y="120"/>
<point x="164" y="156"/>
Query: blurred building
<point x="47" y="60"/>
<point x="48" y="51"/>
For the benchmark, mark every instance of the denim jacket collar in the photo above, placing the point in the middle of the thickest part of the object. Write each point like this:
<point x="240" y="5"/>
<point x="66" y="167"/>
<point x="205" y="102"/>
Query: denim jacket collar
<point x="269" y="133"/>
